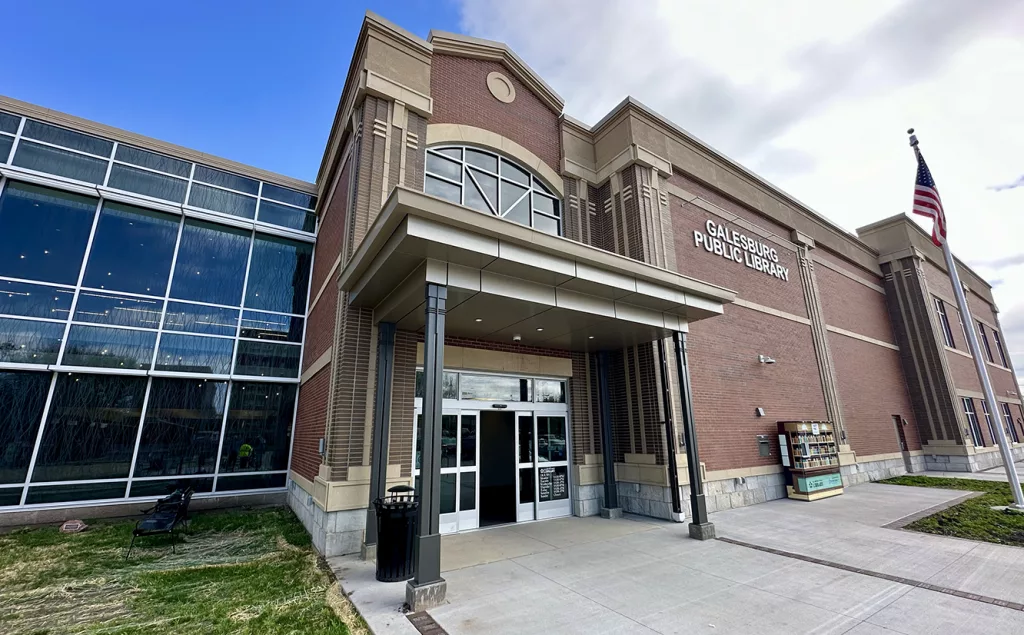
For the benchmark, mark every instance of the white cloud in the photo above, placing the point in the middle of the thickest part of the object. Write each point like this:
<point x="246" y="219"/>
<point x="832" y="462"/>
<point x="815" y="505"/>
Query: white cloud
<point x="815" y="97"/>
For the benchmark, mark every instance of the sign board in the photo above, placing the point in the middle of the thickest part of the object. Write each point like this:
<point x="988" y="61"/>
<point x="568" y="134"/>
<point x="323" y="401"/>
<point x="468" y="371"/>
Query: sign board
<point x="784" y="450"/>
<point x="737" y="247"/>
<point x="554" y="483"/>
<point x="810" y="484"/>
<point x="545" y="474"/>
<point x="815" y="429"/>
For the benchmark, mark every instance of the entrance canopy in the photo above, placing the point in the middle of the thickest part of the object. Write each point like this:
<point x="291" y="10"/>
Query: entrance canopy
<point x="507" y="282"/>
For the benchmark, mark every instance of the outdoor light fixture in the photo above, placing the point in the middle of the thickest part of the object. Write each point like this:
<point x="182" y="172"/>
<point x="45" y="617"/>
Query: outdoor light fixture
<point x="764" y="359"/>
<point x="517" y="337"/>
<point x="479" y="320"/>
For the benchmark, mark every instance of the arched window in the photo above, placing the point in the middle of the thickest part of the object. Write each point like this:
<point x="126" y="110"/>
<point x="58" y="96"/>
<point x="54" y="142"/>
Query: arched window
<point x="492" y="184"/>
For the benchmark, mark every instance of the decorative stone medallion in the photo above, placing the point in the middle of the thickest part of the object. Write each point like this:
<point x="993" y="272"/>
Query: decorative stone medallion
<point x="501" y="87"/>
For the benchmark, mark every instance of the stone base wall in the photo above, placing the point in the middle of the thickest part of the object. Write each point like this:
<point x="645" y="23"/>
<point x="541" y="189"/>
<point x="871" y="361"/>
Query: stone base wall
<point x="587" y="500"/>
<point x="646" y="500"/>
<point x="742" y="491"/>
<point x="971" y="463"/>
<point x="334" y="533"/>
<point x="877" y="470"/>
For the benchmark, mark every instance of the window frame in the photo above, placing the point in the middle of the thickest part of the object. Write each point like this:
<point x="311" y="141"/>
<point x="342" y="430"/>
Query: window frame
<point x="973" y="422"/>
<point x="947" y="332"/>
<point x="984" y="340"/>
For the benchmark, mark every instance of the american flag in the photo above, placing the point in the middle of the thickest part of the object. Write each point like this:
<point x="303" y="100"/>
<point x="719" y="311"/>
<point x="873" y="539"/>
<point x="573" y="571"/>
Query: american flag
<point x="927" y="201"/>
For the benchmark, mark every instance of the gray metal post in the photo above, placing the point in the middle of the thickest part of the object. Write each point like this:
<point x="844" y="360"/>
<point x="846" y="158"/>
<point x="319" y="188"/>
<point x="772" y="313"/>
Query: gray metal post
<point x="700" y="528"/>
<point x="381" y="431"/>
<point x="427" y="589"/>
<point x="670" y="435"/>
<point x="611" y="507"/>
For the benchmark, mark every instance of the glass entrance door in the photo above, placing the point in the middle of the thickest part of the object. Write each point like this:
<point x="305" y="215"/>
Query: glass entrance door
<point x="526" y="486"/>
<point x="552" y="467"/>
<point x="459" y="459"/>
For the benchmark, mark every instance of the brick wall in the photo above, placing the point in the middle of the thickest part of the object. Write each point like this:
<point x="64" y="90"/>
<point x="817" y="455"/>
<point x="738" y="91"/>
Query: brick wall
<point x="729" y="383"/>
<point x="459" y="88"/>
<point x="872" y="389"/>
<point x="310" y="423"/>
<point x="850" y="305"/>
<point x="320" y="329"/>
<point x="821" y="253"/>
<point x="330" y="237"/>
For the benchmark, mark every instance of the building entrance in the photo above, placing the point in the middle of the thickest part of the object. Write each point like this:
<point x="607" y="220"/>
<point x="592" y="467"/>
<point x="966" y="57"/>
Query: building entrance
<point x="498" y="469"/>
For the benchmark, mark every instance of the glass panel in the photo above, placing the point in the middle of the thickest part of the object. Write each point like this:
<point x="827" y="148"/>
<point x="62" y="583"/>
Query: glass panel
<point x="91" y="428"/>
<point x="515" y="173"/>
<point x="449" y="385"/>
<point x="550" y="391"/>
<point x="270" y="326"/>
<point x="510" y="194"/>
<point x="265" y="359"/>
<point x="67" y="138"/>
<point x="554" y="483"/>
<point x="285" y="195"/>
<point x="152" y="160"/>
<point x="10" y="496"/>
<point x="443" y="189"/>
<point x="483" y="160"/>
<point x="455" y="153"/>
<point x="449" y="432"/>
<point x="132" y="250"/>
<point x="520" y="213"/>
<point x="526" y="485"/>
<point x="476" y="200"/>
<point x="254" y="481"/>
<point x="197" y="318"/>
<point x="546" y="224"/>
<point x="35" y="300"/>
<point x="9" y="123"/>
<point x="225" y="179"/>
<point x="544" y="204"/>
<point x="443" y="167"/>
<point x="5" y="147"/>
<point x="68" y="493"/>
<point x="222" y="201"/>
<point x="467" y="491"/>
<point x="167" y="486"/>
<point x="419" y="440"/>
<point x="259" y="428"/>
<point x="194" y="354"/>
<point x="43" y="233"/>
<point x="278" y="275"/>
<point x="526" y="439"/>
<point x="100" y="308"/>
<point x="28" y="342"/>
<point x="125" y="177"/>
<point x="496" y="388"/>
<point x="182" y="427"/>
<point x="287" y="217"/>
<point x="540" y="186"/>
<point x="211" y="263"/>
<point x="448" y="493"/>
<point x="468" y="432"/>
<point x="488" y="185"/>
<point x="109" y="348"/>
<point x="551" y="439"/>
<point x="72" y="165"/>
<point x="22" y="397"/>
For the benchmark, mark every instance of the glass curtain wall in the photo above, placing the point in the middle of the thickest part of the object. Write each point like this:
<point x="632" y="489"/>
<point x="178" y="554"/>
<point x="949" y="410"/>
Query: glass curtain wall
<point x="140" y="348"/>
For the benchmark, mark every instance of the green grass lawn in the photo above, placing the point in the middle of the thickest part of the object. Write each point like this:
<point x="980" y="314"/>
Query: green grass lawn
<point x="973" y="519"/>
<point x="251" y="571"/>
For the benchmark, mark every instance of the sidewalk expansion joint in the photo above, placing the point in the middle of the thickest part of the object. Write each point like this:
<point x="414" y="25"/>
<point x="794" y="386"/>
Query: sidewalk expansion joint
<point x="884" y="576"/>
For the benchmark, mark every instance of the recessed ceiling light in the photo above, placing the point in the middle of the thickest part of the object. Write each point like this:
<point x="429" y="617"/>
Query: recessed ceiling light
<point x="539" y="329"/>
<point x="479" y="320"/>
<point x="591" y="337"/>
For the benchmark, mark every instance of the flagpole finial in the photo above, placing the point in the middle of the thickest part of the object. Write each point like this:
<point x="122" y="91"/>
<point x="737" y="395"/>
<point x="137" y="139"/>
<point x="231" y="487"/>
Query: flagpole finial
<point x="913" y="138"/>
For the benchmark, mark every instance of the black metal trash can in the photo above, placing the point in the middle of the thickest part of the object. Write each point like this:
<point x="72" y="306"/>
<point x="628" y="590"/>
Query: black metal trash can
<point x="397" y="527"/>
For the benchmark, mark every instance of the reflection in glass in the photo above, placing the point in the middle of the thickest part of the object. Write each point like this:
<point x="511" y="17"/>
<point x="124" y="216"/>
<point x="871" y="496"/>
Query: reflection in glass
<point x="550" y="391"/>
<point x="226" y="179"/>
<point x="68" y="138"/>
<point x="163" y="487"/>
<point x="10" y="496"/>
<point x="132" y="250"/>
<point x="35" y="156"/>
<point x="194" y="354"/>
<point x="287" y="216"/>
<point x="35" y="300"/>
<point x="496" y="388"/>
<point x="91" y="428"/>
<point x="285" y="195"/>
<point x="526" y="485"/>
<point x="222" y="201"/>
<point x="443" y="167"/>
<point x="152" y="160"/>
<point x="551" y="438"/>
<point x="468" y="432"/>
<point x="67" y="493"/>
<point x="467" y="491"/>
<point x="449" y="439"/>
<point x="198" y="318"/>
<point x="526" y="439"/>
<point x="30" y="342"/>
<point x="515" y="173"/>
<point x="545" y="224"/>
<point x="109" y="348"/>
<point x="475" y="199"/>
<point x="259" y="427"/>
<point x="271" y="326"/>
<point x="449" y="385"/>
<point x="182" y="427"/>
<point x="43" y="233"/>
<point x="483" y="160"/>
<point x="9" y="123"/>
<point x="448" y="493"/>
<point x="6" y="143"/>
<point x="253" y="481"/>
<point x="266" y="359"/>
<point x="115" y="310"/>
<point x="211" y="263"/>
<point x="22" y="397"/>
<point x="168" y="188"/>
<point x="278" y="275"/>
<point x="442" y="189"/>
<point x="419" y="440"/>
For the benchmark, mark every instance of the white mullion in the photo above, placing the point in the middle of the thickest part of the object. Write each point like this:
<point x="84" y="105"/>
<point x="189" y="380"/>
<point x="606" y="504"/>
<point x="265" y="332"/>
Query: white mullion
<point x="245" y="289"/>
<point x="45" y="284"/>
<point x="220" y="218"/>
<point x="33" y="319"/>
<point x="81" y="276"/>
<point x="173" y="374"/>
<point x="138" y="436"/>
<point x="265" y="379"/>
<point x="98" y="370"/>
<point x="110" y="164"/>
<point x="126" y="294"/>
<point x="210" y="304"/>
<point x="148" y="329"/>
<point x="286" y="232"/>
<point x="223" y="431"/>
<point x="276" y="202"/>
<point x="17" y="140"/>
<point x="39" y="437"/>
<point x="188" y="184"/>
<point x="445" y="178"/>
<point x="228" y="189"/>
<point x="472" y="178"/>
<point x="253" y="339"/>
<point x="259" y="198"/>
<point x="167" y="290"/>
<point x="24" y="366"/>
<point x="88" y="481"/>
<point x="167" y="331"/>
<point x="140" y="499"/>
<point x="146" y="169"/>
<point x="518" y="200"/>
<point x="67" y="149"/>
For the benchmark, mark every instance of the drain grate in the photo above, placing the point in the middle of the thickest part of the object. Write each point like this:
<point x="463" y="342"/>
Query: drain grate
<point x="426" y="624"/>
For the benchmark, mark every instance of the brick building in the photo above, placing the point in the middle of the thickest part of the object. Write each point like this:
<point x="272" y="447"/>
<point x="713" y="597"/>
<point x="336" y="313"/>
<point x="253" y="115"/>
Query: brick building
<point x="523" y="316"/>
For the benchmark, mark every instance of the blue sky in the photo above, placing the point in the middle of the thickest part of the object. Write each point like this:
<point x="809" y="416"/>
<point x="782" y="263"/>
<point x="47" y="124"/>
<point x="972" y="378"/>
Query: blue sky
<point x="256" y="82"/>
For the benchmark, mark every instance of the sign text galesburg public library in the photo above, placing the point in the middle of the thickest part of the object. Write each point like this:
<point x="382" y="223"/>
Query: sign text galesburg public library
<point x="732" y="245"/>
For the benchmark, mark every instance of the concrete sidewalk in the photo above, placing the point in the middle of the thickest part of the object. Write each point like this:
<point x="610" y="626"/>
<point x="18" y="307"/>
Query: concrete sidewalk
<point x="636" y="575"/>
<point x="997" y="473"/>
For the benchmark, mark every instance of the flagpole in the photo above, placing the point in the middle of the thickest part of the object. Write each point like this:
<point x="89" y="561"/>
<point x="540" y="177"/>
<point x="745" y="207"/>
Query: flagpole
<point x="979" y="366"/>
